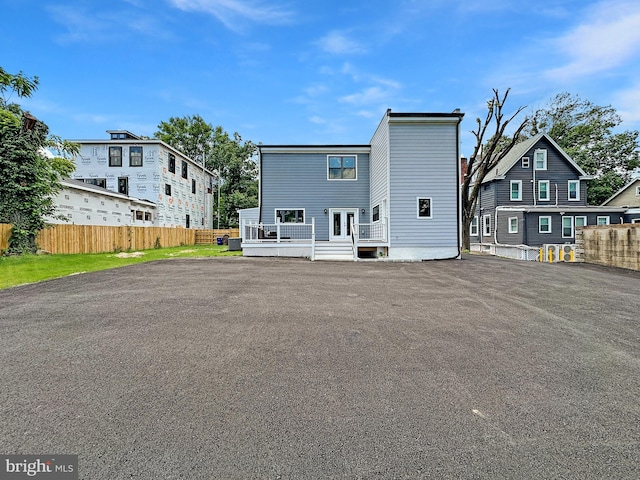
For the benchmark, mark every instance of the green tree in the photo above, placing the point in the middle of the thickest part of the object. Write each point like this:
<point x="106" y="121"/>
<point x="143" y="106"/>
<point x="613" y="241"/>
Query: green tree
<point x="231" y="158"/>
<point x="30" y="177"/>
<point x="487" y="154"/>
<point x="586" y="132"/>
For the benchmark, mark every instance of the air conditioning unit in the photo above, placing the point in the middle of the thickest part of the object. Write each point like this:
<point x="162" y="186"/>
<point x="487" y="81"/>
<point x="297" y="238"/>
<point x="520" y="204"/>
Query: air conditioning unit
<point x="551" y="253"/>
<point x="568" y="253"/>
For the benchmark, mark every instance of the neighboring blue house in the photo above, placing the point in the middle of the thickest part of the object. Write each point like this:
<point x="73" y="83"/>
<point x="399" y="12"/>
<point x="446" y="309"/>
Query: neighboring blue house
<point x="536" y="195"/>
<point x="395" y="198"/>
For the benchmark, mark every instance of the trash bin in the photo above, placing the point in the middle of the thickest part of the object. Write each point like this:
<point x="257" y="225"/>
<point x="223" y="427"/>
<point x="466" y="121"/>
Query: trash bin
<point x="235" y="244"/>
<point x="219" y="240"/>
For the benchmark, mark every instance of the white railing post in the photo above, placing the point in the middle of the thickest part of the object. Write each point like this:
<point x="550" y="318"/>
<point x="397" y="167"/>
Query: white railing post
<point x="354" y="236"/>
<point x="277" y="230"/>
<point x="313" y="239"/>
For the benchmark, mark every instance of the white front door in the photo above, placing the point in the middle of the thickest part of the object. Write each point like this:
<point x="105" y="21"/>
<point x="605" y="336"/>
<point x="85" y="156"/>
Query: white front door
<point x="340" y="223"/>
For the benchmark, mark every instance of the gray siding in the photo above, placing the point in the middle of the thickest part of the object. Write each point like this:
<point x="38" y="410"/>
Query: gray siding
<point x="423" y="163"/>
<point x="536" y="239"/>
<point x="558" y="172"/>
<point x="299" y="181"/>
<point x="380" y="166"/>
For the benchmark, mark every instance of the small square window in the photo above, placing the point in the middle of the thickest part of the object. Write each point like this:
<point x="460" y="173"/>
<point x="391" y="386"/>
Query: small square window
<point x="581" y="221"/>
<point x="147" y="216"/>
<point x="603" y="220"/>
<point x="424" y="208"/>
<point x="135" y="156"/>
<point x="342" y="168"/>
<point x="525" y="162"/>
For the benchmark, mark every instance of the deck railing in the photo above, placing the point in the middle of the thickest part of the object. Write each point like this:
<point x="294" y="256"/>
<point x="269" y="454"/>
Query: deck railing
<point x="372" y="231"/>
<point x="279" y="232"/>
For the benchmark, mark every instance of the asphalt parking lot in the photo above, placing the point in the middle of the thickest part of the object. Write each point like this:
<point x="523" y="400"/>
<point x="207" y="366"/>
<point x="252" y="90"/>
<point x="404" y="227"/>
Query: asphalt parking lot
<point x="282" y="368"/>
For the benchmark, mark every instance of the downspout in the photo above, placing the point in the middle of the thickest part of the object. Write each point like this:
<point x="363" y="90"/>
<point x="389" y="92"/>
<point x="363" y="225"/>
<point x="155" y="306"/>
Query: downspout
<point x="458" y="189"/>
<point x="533" y="168"/>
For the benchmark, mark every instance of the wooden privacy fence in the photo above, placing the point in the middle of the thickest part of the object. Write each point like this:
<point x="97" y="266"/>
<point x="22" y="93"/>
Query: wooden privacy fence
<point x="62" y="238"/>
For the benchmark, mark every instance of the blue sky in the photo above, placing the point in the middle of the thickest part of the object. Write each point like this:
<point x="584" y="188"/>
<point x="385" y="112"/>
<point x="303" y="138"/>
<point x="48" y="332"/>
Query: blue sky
<point x="313" y="72"/>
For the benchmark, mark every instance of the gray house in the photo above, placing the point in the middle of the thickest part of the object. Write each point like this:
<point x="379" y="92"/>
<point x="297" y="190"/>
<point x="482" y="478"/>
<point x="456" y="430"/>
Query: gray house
<point x="536" y="195"/>
<point x="395" y="198"/>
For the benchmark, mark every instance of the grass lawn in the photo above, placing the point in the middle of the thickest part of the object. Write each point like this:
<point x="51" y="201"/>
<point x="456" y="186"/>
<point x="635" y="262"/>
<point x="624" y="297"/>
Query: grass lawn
<point x="35" y="268"/>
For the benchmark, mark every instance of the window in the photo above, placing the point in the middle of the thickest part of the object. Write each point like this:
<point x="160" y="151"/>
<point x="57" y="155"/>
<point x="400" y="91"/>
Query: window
<point x="516" y="190"/>
<point x="581" y="221"/>
<point x="376" y="213"/>
<point x="473" y="229"/>
<point x="139" y="215"/>
<point x="123" y="185"/>
<point x="544" y="225"/>
<point x="193" y="185"/>
<point x="135" y="156"/>
<point x="525" y="162"/>
<point x="290" y="216"/>
<point x="574" y="190"/>
<point x="543" y="190"/>
<point x="167" y="189"/>
<point x="342" y="168"/>
<point x="637" y="190"/>
<point x="147" y="216"/>
<point x="513" y="224"/>
<point x="98" y="182"/>
<point x="172" y="163"/>
<point x="184" y="169"/>
<point x="567" y="227"/>
<point x="541" y="159"/>
<point x="115" y="156"/>
<point x="603" y="221"/>
<point x="486" y="225"/>
<point x="424" y="207"/>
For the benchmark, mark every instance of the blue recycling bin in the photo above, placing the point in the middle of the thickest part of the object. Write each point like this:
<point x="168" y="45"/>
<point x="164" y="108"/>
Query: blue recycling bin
<point x="219" y="240"/>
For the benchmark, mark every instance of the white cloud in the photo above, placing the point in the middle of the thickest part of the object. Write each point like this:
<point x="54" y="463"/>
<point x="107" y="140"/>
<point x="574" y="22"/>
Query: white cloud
<point x="339" y="44"/>
<point x="607" y="39"/>
<point x="629" y="104"/>
<point x="233" y="12"/>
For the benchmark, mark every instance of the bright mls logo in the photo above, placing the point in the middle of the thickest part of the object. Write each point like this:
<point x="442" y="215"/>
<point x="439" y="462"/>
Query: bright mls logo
<point x="52" y="467"/>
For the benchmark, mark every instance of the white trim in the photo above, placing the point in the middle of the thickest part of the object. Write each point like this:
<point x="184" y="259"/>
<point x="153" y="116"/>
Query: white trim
<point x="548" y="183"/>
<point x="540" y="224"/>
<point x="571" y="225"/>
<point x="511" y="230"/>
<point x="577" y="183"/>
<point x="511" y="184"/>
<point x="342" y="155"/>
<point x="486" y="225"/>
<point x="523" y="163"/>
<point x="344" y="215"/>
<point x="607" y="218"/>
<point x="473" y="227"/>
<point x="535" y="159"/>
<point x="584" y="217"/>
<point x="638" y="190"/>
<point x="420" y="217"/>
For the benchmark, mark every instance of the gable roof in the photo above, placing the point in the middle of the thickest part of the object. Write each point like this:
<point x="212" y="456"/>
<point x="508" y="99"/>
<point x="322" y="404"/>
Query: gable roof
<point x="518" y="151"/>
<point x="633" y="181"/>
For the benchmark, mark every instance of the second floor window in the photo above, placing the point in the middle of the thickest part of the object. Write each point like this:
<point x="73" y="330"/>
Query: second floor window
<point x="135" y="156"/>
<point x="540" y="159"/>
<point x="184" y="169"/>
<point x="342" y="168"/>
<point x="516" y="190"/>
<point x="115" y="156"/>
<point x="543" y="190"/>
<point x="574" y="190"/>
<point x="172" y="163"/>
